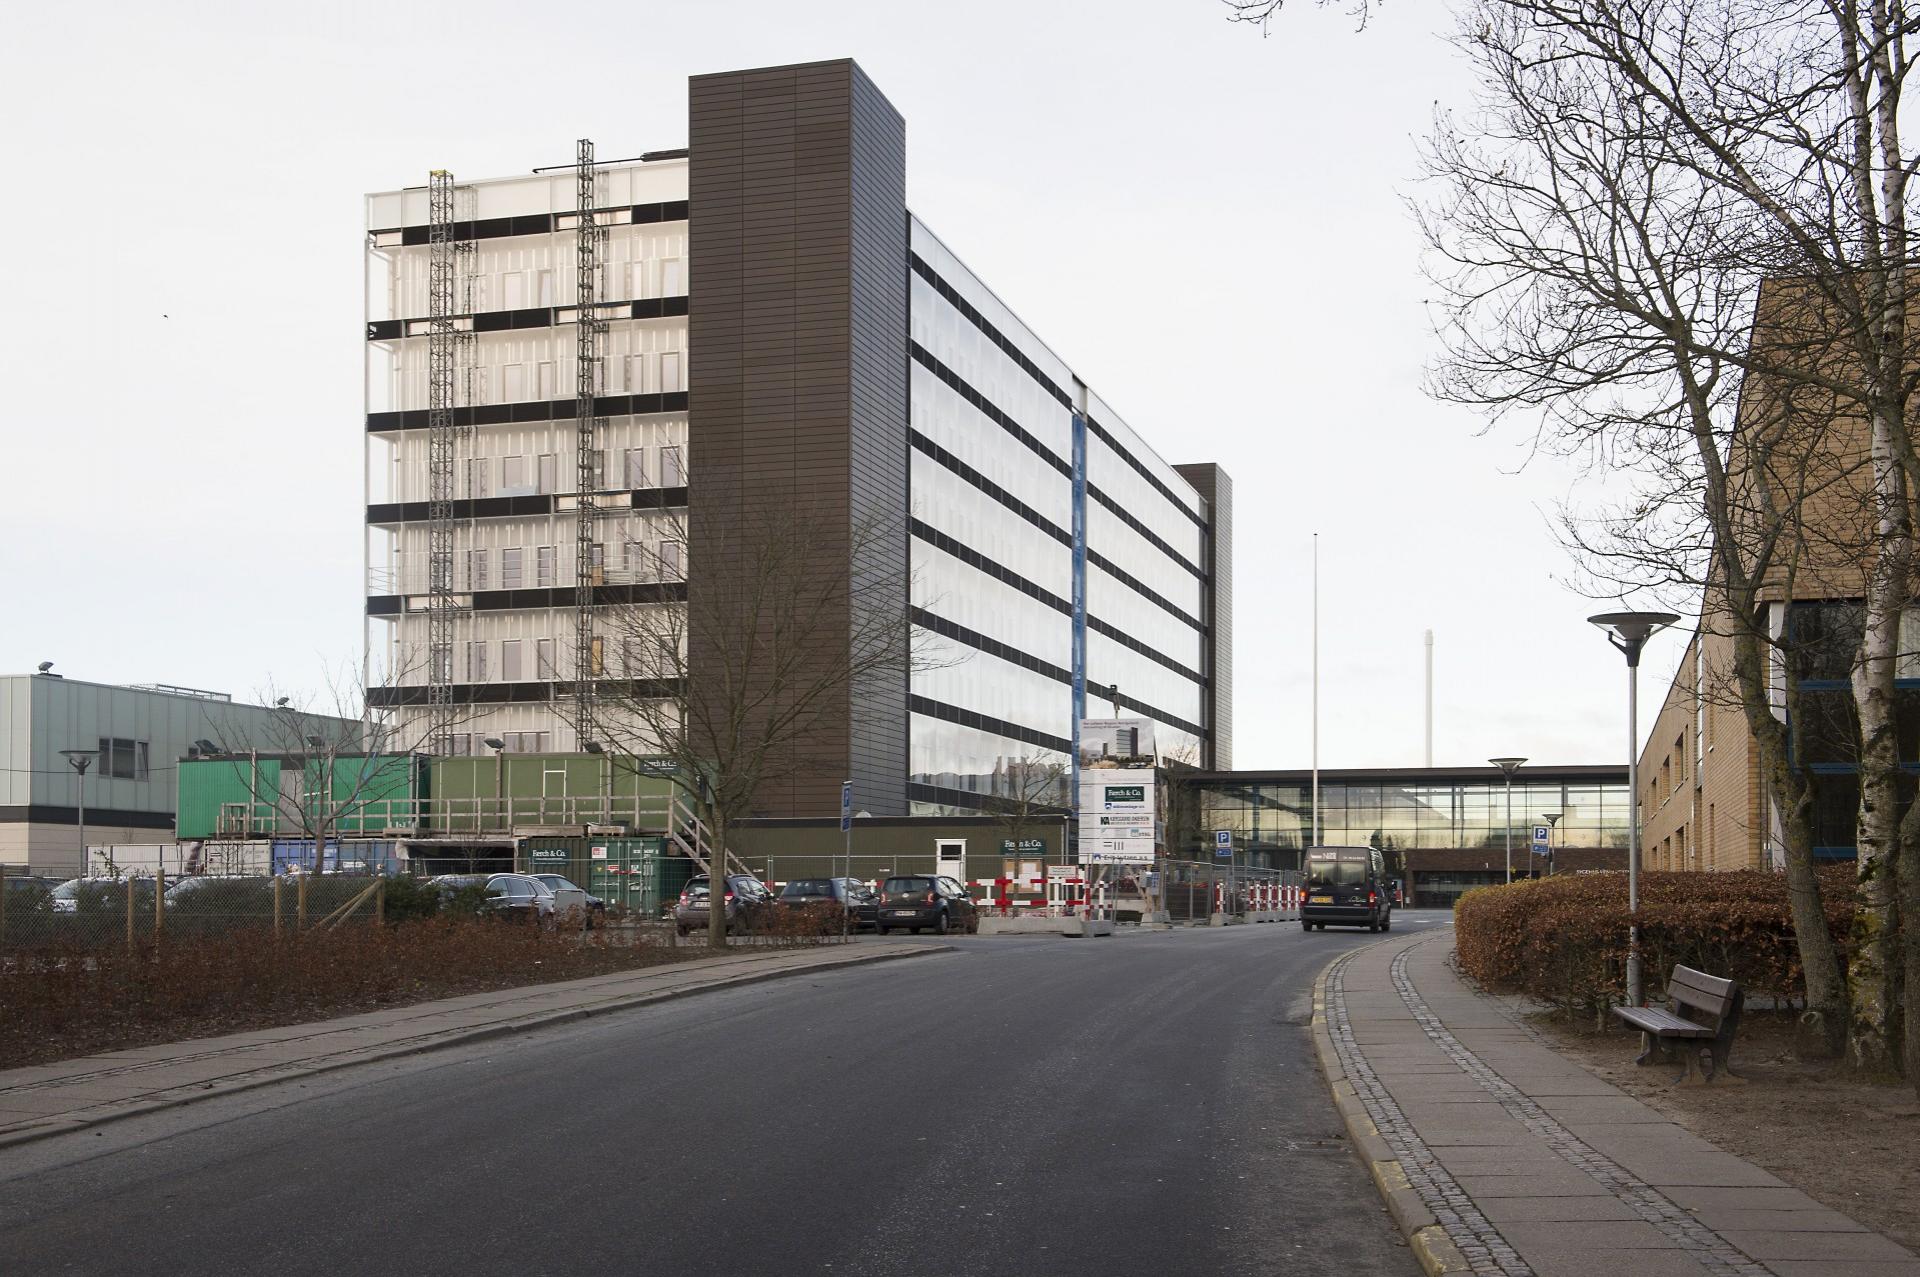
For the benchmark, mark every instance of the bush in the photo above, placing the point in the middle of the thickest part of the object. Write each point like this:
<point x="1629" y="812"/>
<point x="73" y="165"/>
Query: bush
<point x="1563" y="940"/>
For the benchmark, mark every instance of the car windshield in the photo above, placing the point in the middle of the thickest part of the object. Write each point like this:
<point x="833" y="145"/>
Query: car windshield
<point x="906" y="886"/>
<point x="808" y="887"/>
<point x="1337" y="871"/>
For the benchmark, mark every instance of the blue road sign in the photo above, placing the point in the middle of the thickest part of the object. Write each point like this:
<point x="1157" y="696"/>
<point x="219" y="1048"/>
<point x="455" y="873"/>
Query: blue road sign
<point x="846" y="805"/>
<point x="1223" y="842"/>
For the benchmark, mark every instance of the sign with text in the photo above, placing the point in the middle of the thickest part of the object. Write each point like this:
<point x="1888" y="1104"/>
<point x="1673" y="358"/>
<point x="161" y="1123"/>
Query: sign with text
<point x="1023" y="847"/>
<point x="1118" y="814"/>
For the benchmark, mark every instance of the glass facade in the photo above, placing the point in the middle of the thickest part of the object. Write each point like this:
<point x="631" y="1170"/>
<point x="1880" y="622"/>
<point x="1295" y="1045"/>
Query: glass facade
<point x="1427" y="810"/>
<point x="1013" y="463"/>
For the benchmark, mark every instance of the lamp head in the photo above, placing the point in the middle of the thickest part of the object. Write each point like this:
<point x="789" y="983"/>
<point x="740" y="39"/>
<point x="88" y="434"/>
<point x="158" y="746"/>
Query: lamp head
<point x="45" y="666"/>
<point x="1629" y="631"/>
<point x="1508" y="765"/>
<point x="593" y="747"/>
<point x="494" y="742"/>
<point x="281" y="702"/>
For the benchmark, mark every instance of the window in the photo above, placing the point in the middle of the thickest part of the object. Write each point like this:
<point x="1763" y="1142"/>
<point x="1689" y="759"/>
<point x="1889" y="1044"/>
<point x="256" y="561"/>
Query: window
<point x="477" y="662"/>
<point x="671" y="565"/>
<point x="514" y="290"/>
<point x="597" y="655"/>
<point x="476" y="569"/>
<point x="673" y="467"/>
<point x="543" y="657"/>
<point x="633" y="561"/>
<point x="543" y="283"/>
<point x="638" y="276"/>
<point x="549" y="472"/>
<point x="440" y="662"/>
<point x="510" y="575"/>
<point x="636" y="374"/>
<point x="123" y="759"/>
<point x="510" y="661"/>
<point x="672" y="278"/>
<point x="440" y="570"/>
<point x="599" y="469"/>
<point x="636" y="467"/>
<point x="513" y="476"/>
<point x="513" y="382"/>
<point x="477" y="474"/>
<point x="597" y="559"/>
<point x="670" y="373"/>
<point x="543" y="566"/>
<point x="545" y="388"/>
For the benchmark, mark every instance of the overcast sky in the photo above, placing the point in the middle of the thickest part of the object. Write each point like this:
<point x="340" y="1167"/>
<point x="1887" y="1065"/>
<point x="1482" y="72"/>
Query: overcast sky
<point x="1209" y="226"/>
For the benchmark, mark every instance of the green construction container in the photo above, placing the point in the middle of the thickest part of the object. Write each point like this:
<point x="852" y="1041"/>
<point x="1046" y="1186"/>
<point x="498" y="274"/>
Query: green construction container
<point x="635" y="874"/>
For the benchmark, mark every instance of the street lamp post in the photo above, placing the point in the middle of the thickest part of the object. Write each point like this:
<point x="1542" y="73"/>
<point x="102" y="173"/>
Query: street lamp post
<point x="1508" y="767"/>
<point x="80" y="760"/>
<point x="1629" y="632"/>
<point x="1553" y="820"/>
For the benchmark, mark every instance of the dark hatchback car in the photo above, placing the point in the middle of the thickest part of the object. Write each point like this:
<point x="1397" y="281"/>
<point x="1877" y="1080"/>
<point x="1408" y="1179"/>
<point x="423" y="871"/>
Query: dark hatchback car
<point x="1346" y="887"/>
<point x="914" y="901"/>
<point x="748" y="904"/>
<point x="852" y="894"/>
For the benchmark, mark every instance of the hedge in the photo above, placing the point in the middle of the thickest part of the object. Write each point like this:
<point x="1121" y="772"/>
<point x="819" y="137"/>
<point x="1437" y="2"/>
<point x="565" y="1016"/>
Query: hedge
<point x="1563" y="940"/>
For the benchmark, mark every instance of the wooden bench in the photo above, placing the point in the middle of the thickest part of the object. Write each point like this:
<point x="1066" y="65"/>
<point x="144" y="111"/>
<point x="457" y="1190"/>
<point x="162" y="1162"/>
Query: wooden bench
<point x="1716" y="1003"/>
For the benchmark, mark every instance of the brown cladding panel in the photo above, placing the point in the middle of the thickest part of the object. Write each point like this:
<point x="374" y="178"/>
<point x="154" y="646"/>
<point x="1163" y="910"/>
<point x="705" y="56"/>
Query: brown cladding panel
<point x="797" y="224"/>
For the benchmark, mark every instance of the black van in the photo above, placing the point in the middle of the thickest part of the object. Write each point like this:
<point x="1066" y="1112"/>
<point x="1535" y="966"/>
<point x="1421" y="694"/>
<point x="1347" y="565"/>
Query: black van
<point x="1346" y="886"/>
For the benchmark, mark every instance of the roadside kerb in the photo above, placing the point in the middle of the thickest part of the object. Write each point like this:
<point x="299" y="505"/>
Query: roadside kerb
<point x="99" y="1113"/>
<point x="1415" y="1219"/>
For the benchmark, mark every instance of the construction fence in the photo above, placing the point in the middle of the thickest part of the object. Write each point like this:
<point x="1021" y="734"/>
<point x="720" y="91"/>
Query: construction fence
<point x="136" y="910"/>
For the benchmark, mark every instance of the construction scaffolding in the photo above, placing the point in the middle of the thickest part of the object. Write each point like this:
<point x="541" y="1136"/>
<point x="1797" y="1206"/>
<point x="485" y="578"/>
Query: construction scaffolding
<point x="589" y="428"/>
<point x="442" y="357"/>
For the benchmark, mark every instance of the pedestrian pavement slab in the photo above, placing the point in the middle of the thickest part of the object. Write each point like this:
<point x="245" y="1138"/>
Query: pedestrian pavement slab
<point x="1527" y="1162"/>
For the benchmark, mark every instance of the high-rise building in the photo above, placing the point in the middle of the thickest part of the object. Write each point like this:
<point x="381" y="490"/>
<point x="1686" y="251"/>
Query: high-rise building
<point x="778" y="328"/>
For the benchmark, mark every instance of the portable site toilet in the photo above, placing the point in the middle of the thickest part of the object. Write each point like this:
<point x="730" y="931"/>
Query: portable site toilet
<point x="950" y="858"/>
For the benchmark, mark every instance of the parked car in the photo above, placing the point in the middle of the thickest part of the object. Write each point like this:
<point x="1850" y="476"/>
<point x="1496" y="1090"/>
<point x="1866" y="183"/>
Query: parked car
<point x="937" y="903"/>
<point x="76" y="895"/>
<point x="521" y="897"/>
<point x="561" y="888"/>
<point x="747" y="902"/>
<point x="1347" y="887"/>
<point x="852" y="894"/>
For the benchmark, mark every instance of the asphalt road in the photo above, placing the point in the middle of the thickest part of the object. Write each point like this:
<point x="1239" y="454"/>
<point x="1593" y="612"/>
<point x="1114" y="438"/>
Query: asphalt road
<point x="1141" y="1104"/>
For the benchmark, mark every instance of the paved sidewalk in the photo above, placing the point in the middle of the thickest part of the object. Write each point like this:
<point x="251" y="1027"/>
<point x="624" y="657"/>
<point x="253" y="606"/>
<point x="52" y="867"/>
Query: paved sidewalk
<point x="52" y="1099"/>
<point x="1498" y="1155"/>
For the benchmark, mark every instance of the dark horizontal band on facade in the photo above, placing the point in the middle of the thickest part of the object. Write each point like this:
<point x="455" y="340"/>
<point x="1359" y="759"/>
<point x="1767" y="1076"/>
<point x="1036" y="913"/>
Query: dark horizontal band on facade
<point x="950" y="797"/>
<point x="529" y="224"/>
<point x="953" y="298"/>
<point x="984" y="722"/>
<point x="987" y="408"/>
<point x="1026" y="660"/>
<point x="523" y="693"/>
<point x="1140" y="468"/>
<point x="98" y="817"/>
<point x="994" y="414"/>
<point x="999" y="572"/>
<point x="504" y="321"/>
<point x="988" y="486"/>
<point x="530" y="410"/>
<point x="518" y="507"/>
<point x="546" y="596"/>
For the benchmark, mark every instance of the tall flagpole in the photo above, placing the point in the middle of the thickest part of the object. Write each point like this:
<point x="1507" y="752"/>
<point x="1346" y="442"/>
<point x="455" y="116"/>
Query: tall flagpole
<point x="1316" y="689"/>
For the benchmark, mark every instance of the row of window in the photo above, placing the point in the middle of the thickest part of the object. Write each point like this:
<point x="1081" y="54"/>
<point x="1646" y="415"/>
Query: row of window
<point x="643" y="373"/>
<point x="122" y="759"/>
<point x="538" y="287"/>
<point x="520" y="660"/>
<point x="639" y="561"/>
<point x="539" y="474"/>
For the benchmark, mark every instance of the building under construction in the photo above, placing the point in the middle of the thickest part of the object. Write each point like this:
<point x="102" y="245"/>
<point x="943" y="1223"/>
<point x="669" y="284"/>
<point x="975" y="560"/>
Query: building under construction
<point x="575" y="375"/>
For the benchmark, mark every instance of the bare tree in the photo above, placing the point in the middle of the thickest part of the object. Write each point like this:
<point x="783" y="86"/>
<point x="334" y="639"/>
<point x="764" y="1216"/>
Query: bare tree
<point x="1605" y="220"/>
<point x="337" y="765"/>
<point x="1027" y="789"/>
<point x="774" y="643"/>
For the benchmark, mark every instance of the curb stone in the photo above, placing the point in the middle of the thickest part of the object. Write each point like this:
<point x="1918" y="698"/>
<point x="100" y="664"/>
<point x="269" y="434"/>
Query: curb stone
<point x="1421" y="1228"/>
<point x="273" y="1075"/>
